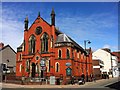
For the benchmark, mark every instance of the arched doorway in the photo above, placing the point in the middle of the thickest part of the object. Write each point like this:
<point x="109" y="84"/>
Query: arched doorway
<point x="41" y="73"/>
<point x="33" y="69"/>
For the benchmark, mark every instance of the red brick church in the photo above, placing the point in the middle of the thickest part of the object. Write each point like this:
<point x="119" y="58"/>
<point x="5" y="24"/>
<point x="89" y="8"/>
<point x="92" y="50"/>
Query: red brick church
<point x="46" y="52"/>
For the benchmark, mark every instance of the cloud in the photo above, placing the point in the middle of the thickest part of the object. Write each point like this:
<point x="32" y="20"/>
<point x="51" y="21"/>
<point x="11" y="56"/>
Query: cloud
<point x="12" y="30"/>
<point x="12" y="24"/>
<point x="111" y="47"/>
<point x="99" y="28"/>
<point x="11" y="33"/>
<point x="95" y="27"/>
<point x="106" y="46"/>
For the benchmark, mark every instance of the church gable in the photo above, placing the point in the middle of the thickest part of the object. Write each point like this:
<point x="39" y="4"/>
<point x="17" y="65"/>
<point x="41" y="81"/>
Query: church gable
<point x="39" y="26"/>
<point x="40" y="35"/>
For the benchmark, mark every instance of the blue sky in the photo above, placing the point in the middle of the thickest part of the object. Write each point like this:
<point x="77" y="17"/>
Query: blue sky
<point x="97" y="22"/>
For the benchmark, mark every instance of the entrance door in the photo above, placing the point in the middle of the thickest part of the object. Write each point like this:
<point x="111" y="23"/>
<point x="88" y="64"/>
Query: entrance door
<point x="41" y="73"/>
<point x="33" y="69"/>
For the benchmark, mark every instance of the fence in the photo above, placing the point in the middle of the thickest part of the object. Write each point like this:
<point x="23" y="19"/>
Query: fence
<point x="12" y="78"/>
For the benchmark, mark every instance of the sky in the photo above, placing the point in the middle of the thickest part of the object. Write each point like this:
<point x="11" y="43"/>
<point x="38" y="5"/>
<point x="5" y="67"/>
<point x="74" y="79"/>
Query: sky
<point x="94" y="21"/>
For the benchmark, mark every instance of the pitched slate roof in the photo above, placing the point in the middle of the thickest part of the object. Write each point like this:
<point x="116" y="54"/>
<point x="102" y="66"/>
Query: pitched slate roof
<point x="64" y="38"/>
<point x="6" y="47"/>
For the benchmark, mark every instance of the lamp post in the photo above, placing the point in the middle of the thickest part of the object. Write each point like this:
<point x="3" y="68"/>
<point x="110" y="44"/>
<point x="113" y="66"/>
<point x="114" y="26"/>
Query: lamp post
<point x="85" y="42"/>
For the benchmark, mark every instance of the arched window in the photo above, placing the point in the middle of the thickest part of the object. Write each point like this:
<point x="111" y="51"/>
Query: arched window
<point x="20" y="57"/>
<point x="68" y="54"/>
<point x="59" y="54"/>
<point x="27" y="66"/>
<point x="44" y="43"/>
<point x="57" y="67"/>
<point x="51" y="43"/>
<point x="37" y="68"/>
<point x="20" y="68"/>
<point x="32" y="44"/>
<point x="48" y="65"/>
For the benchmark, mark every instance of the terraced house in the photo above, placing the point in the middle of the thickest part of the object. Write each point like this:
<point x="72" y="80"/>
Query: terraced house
<point x="46" y="52"/>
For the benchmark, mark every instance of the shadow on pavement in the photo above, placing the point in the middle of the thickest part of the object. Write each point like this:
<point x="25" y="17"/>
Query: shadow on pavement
<point x="114" y="85"/>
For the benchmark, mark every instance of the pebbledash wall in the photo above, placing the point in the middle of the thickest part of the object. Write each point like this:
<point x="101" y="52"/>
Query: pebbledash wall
<point x="46" y="52"/>
<point x="110" y="61"/>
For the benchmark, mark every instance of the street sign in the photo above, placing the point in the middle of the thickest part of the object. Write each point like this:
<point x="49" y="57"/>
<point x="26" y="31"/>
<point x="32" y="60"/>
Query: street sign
<point x="42" y="62"/>
<point x="68" y="71"/>
<point x="68" y="64"/>
<point x="43" y="68"/>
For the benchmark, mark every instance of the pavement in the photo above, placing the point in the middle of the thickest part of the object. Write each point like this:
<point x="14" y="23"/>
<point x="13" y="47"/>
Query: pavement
<point x="86" y="85"/>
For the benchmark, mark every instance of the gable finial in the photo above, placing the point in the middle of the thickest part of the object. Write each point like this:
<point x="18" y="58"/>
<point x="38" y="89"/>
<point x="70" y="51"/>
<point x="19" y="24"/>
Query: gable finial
<point x="38" y="14"/>
<point x="53" y="17"/>
<point x="26" y="23"/>
<point x="53" y="12"/>
<point x="26" y="19"/>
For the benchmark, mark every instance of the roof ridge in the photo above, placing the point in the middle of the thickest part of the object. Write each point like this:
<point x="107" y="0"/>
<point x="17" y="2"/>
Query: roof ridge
<point x="10" y="48"/>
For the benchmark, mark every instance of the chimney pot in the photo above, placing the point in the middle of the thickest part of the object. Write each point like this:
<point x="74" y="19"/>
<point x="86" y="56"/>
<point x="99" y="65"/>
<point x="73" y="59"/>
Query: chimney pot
<point x="1" y="45"/>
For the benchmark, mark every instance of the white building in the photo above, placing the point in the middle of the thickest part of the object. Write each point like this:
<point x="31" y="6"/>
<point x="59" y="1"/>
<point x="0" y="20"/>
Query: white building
<point x="110" y="61"/>
<point x="115" y="66"/>
<point x="98" y="65"/>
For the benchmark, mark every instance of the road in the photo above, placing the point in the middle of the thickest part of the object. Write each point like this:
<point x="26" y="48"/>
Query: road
<point x="110" y="84"/>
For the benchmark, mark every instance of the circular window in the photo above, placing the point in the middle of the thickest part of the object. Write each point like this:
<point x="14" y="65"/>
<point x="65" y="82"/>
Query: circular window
<point x="38" y="30"/>
<point x="37" y="57"/>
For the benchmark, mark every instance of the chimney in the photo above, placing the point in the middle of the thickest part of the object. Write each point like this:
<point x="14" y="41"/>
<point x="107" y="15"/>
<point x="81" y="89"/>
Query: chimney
<point x="107" y="49"/>
<point x="1" y="45"/>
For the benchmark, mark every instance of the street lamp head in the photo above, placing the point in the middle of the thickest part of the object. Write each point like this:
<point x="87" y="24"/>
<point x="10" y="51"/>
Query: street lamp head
<point x="89" y="42"/>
